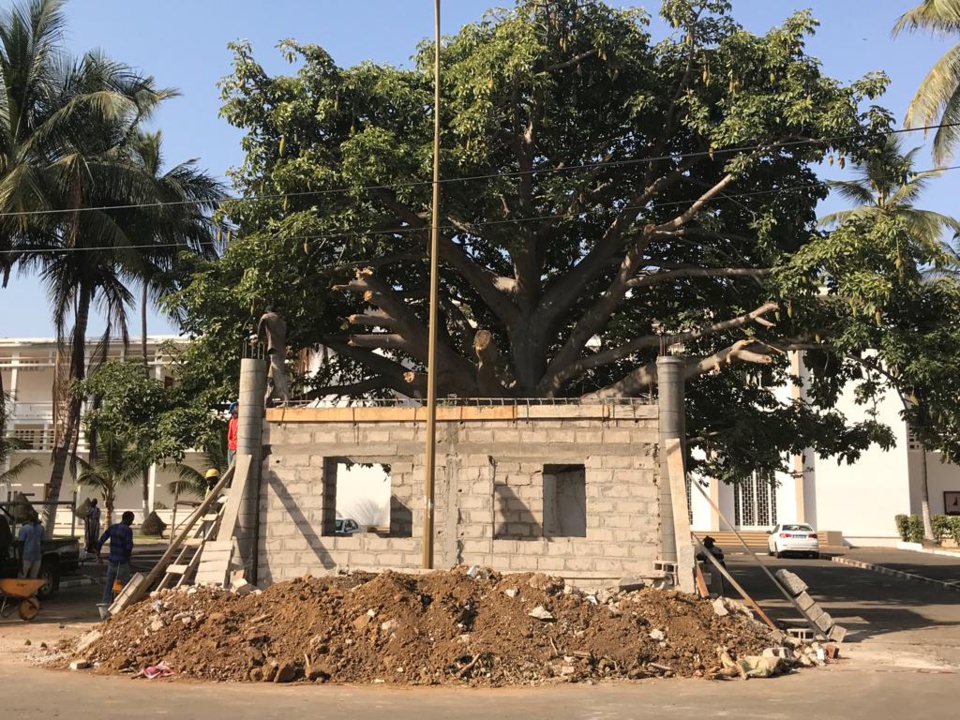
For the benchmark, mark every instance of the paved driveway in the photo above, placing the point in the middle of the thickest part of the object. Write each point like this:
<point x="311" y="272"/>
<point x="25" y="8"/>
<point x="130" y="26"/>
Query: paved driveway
<point x="890" y="621"/>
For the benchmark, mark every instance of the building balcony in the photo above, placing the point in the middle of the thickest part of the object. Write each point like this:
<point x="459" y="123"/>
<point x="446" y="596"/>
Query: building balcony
<point x="21" y="412"/>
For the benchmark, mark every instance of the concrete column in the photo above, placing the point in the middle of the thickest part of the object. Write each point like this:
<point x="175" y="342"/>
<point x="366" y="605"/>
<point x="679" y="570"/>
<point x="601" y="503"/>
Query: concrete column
<point x="671" y="405"/>
<point x="152" y="487"/>
<point x="253" y="382"/>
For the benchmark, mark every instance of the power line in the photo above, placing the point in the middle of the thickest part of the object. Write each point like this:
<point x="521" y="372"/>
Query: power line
<point x="484" y="223"/>
<point x="626" y="162"/>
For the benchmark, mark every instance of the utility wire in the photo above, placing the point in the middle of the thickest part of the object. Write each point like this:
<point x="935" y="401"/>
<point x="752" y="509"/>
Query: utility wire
<point x="469" y="178"/>
<point x="483" y="223"/>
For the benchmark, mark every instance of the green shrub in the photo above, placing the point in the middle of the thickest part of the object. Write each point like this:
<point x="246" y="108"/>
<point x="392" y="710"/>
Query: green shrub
<point x="910" y="528"/>
<point x="941" y="527"/>
<point x="903" y="526"/>
<point x="954" y="523"/>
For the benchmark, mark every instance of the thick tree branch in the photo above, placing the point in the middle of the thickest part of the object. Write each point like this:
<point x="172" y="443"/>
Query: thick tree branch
<point x="594" y="319"/>
<point x="575" y="60"/>
<point x="368" y="385"/>
<point x="456" y="373"/>
<point x="564" y="293"/>
<point x="644" y="378"/>
<point x="613" y="355"/>
<point x="373" y="318"/>
<point x="482" y="280"/>
<point x="669" y="276"/>
<point x="381" y="341"/>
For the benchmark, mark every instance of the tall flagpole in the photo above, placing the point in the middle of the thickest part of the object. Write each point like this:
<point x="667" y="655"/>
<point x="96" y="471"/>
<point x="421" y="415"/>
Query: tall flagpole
<point x="430" y="454"/>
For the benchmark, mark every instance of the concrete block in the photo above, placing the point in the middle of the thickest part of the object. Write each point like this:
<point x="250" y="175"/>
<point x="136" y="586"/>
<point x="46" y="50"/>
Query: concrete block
<point x="549" y="564"/>
<point x="805" y="602"/>
<point x="837" y="633"/>
<point x="614" y="550"/>
<point x="793" y="584"/>
<point x="579" y="564"/>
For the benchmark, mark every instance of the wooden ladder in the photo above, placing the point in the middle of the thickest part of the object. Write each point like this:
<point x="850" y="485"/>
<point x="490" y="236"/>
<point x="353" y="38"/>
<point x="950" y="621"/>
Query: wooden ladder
<point x="184" y="565"/>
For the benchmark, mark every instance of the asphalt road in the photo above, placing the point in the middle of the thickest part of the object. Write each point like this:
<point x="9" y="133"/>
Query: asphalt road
<point x="836" y="692"/>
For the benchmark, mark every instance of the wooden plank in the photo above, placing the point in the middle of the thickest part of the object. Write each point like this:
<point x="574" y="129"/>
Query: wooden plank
<point x="681" y="514"/>
<point x="700" y="581"/>
<point x="231" y="511"/>
<point x="763" y="566"/>
<point x="736" y="585"/>
<point x="177" y="569"/>
<point x="131" y="589"/>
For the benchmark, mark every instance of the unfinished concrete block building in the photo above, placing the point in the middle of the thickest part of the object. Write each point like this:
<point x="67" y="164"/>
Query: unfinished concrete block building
<point x="568" y="489"/>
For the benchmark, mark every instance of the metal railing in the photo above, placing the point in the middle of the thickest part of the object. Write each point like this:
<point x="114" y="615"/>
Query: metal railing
<point x="475" y="402"/>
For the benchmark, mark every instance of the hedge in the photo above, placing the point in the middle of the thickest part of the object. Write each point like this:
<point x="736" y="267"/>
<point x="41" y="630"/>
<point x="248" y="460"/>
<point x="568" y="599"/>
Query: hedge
<point x="910" y="527"/>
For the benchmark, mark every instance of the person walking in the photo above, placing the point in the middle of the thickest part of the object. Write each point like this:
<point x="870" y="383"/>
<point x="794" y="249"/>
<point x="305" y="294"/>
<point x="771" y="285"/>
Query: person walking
<point x="233" y="428"/>
<point x="92" y="525"/>
<point x="31" y="546"/>
<point x="120" y="536"/>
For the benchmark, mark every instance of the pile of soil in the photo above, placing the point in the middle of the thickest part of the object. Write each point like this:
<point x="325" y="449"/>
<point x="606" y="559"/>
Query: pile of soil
<point x="439" y="628"/>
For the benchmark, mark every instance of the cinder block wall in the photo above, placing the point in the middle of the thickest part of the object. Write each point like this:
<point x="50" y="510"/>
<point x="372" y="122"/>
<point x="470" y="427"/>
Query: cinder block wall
<point x="489" y="498"/>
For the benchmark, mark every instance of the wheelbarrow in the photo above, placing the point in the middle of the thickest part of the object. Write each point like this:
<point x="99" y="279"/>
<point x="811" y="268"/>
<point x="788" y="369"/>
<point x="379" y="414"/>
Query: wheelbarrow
<point x="20" y="594"/>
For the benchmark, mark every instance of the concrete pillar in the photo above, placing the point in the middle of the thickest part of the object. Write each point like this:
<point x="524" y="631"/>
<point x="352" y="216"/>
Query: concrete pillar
<point x="672" y="412"/>
<point x="253" y="383"/>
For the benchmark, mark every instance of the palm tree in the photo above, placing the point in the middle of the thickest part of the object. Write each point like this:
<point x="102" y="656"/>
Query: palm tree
<point x="64" y="126"/>
<point x="115" y="466"/>
<point x="180" y="220"/>
<point x="886" y="186"/>
<point x="937" y="100"/>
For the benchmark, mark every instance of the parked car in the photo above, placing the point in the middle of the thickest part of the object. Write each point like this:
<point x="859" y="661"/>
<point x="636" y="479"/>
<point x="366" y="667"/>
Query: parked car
<point x="61" y="556"/>
<point x="798" y="538"/>
<point x="346" y="526"/>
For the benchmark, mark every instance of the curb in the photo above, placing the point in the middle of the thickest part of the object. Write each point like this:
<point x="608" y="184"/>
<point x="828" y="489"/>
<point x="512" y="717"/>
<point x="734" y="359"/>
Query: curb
<point x="79" y="582"/>
<point x="946" y="584"/>
<point x="916" y="547"/>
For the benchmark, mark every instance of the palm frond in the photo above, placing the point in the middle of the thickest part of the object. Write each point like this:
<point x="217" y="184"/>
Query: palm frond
<point x="940" y="17"/>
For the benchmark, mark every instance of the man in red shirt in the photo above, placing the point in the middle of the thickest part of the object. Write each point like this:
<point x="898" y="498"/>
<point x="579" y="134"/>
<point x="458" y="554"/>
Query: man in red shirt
<point x="232" y="435"/>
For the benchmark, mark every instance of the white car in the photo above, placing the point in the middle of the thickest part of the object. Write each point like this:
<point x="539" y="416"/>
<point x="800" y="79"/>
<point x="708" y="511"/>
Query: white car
<point x="797" y="538"/>
<point x="347" y="526"/>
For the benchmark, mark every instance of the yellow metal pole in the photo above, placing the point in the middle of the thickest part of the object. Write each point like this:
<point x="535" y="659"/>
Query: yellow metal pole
<point x="430" y="454"/>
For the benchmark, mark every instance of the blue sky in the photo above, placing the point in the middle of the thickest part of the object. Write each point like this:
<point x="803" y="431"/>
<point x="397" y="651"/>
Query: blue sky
<point x="183" y="43"/>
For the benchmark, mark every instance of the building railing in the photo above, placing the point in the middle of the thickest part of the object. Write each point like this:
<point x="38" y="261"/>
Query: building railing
<point x="21" y="411"/>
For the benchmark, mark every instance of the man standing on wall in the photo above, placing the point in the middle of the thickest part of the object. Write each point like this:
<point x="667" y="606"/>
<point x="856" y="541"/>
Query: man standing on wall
<point x="120" y="536"/>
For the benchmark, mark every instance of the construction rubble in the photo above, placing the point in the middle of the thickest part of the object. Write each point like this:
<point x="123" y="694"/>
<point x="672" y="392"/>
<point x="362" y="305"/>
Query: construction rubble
<point x="461" y="626"/>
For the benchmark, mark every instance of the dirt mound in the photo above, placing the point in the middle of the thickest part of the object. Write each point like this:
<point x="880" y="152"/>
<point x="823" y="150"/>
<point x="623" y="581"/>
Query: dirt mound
<point x="438" y="628"/>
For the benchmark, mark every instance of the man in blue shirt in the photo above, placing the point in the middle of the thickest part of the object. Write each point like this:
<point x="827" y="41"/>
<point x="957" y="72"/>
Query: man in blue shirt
<point x="31" y="546"/>
<point x="121" y="548"/>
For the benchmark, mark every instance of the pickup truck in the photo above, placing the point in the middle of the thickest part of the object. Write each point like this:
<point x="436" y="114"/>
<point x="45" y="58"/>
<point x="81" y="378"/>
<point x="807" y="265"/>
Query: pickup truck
<point x="61" y="556"/>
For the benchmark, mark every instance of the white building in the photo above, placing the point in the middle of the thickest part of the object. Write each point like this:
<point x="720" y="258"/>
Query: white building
<point x="859" y="500"/>
<point x="27" y="367"/>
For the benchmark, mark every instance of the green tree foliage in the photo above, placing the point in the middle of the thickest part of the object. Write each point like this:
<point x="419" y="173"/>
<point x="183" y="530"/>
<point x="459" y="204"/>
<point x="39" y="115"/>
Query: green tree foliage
<point x="606" y="196"/>
<point x="155" y="423"/>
